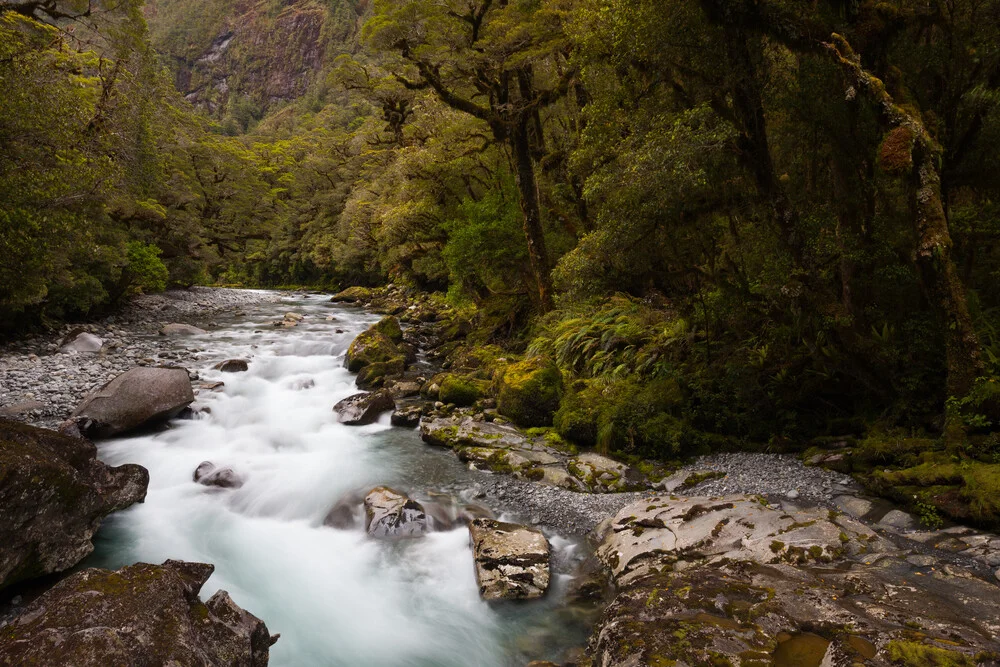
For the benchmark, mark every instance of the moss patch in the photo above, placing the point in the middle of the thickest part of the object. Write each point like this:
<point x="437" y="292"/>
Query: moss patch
<point x="530" y="392"/>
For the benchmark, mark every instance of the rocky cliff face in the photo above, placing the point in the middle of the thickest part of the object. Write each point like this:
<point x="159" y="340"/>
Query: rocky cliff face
<point x="239" y="59"/>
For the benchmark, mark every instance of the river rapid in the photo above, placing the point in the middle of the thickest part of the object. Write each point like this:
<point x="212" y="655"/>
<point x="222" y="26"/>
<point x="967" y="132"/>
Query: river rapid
<point x="337" y="597"/>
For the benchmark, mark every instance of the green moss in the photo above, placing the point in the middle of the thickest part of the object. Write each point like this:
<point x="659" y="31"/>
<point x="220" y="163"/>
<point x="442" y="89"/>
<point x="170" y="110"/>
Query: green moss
<point x="389" y="327"/>
<point x="915" y="654"/>
<point x="696" y="478"/>
<point x="373" y="375"/>
<point x="462" y="391"/>
<point x="530" y="392"/>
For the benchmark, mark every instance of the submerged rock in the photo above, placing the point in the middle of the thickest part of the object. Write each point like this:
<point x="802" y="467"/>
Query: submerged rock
<point x="232" y="366"/>
<point x="746" y="583"/>
<point x="139" y="615"/>
<point x="361" y="409"/>
<point x="391" y="514"/>
<point x="180" y="330"/>
<point x="135" y="398"/>
<point x="512" y="561"/>
<point x="209" y="474"/>
<point x="53" y="494"/>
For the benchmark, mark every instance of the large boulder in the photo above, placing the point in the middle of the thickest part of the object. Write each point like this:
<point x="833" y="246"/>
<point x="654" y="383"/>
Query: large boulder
<point x="137" y="397"/>
<point x="733" y="580"/>
<point x="53" y="494"/>
<point x="177" y="329"/>
<point x="376" y="353"/>
<point x="530" y="391"/>
<point x="82" y="342"/>
<point x="364" y="408"/>
<point x="139" y="615"/>
<point x="512" y="561"/>
<point x="391" y="514"/>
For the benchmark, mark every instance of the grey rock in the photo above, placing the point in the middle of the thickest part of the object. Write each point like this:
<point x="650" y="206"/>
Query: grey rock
<point x="53" y="495"/>
<point x="512" y="561"/>
<point x="363" y="408"/>
<point x="897" y="520"/>
<point x="209" y="474"/>
<point x="139" y="615"/>
<point x="407" y="417"/>
<point x="135" y="398"/>
<point x="853" y="506"/>
<point x="232" y="366"/>
<point x="83" y="342"/>
<point x="391" y="514"/>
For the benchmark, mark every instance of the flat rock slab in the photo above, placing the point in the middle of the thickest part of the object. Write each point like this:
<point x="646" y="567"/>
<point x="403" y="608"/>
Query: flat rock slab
<point x="449" y="432"/>
<point x="83" y="342"/>
<point x="730" y="527"/>
<point x="139" y="615"/>
<point x="512" y="561"/>
<point x="137" y="397"/>
<point x="364" y="408"/>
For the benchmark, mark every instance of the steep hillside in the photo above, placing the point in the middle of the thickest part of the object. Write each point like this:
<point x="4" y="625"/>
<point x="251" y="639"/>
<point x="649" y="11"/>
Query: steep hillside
<point x="239" y="60"/>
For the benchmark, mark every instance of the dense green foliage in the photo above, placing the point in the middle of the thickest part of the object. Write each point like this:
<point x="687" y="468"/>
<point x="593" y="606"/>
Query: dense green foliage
<point x="763" y="222"/>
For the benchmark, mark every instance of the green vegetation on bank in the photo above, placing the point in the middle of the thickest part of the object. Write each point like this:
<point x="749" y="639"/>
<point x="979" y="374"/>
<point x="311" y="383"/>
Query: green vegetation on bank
<point x="674" y="227"/>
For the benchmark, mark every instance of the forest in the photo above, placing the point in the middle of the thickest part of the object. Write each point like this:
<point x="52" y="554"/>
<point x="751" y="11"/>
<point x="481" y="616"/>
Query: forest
<point x="731" y="224"/>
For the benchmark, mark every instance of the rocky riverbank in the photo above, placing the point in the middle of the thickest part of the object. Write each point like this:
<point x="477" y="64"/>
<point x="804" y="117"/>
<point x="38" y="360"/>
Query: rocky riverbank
<point x="42" y="380"/>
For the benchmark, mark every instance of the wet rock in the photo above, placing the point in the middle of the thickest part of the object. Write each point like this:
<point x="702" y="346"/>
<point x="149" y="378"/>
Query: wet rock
<point x="465" y="432"/>
<point x="347" y="513"/>
<point x="365" y="408"/>
<point x="180" y="330"/>
<point x="232" y="366"/>
<point x="139" y="615"/>
<point x="375" y="354"/>
<point x="405" y="388"/>
<point x="897" y="520"/>
<point x="83" y="342"/>
<point x="407" y="417"/>
<point x="209" y="474"/>
<point x="53" y="495"/>
<point x="512" y="561"/>
<point x="391" y="514"/>
<point x="135" y="398"/>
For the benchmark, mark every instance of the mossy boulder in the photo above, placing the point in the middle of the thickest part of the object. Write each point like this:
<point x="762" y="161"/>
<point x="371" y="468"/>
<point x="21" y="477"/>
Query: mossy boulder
<point x="461" y="390"/>
<point x="353" y="295"/>
<point x="576" y="418"/>
<point x="139" y="615"/>
<point x="530" y="391"/>
<point x="53" y="495"/>
<point x="376" y="353"/>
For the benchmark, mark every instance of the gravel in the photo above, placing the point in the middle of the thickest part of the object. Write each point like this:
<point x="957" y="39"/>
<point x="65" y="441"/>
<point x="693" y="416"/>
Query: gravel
<point x="773" y="476"/>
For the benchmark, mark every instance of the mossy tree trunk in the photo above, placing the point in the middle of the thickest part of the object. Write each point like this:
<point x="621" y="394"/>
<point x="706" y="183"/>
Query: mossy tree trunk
<point x="910" y="150"/>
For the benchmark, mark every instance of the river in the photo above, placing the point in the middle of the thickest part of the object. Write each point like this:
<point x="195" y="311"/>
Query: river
<point x="337" y="597"/>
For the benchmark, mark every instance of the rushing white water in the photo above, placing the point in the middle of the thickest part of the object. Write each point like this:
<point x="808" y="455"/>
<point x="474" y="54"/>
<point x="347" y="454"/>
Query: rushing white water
<point x="336" y="596"/>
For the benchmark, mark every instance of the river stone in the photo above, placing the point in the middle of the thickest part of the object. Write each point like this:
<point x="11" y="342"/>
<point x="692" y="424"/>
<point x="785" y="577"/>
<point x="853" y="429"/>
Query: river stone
<point x="209" y="474"/>
<point x="897" y="520"/>
<point x="83" y="342"/>
<point x="135" y="398"/>
<point x="405" y="388"/>
<point x="176" y="329"/>
<point x="695" y="569"/>
<point x="232" y="366"/>
<point x="353" y="295"/>
<point x="407" y="417"/>
<point x="53" y="494"/>
<point x="512" y="561"/>
<point x="364" y="408"/>
<point x="139" y="615"/>
<point x="344" y="515"/>
<point x="599" y="473"/>
<point x="391" y="514"/>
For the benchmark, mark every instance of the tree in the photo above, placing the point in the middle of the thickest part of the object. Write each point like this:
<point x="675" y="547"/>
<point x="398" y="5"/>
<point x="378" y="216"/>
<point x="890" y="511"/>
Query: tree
<point x="500" y="62"/>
